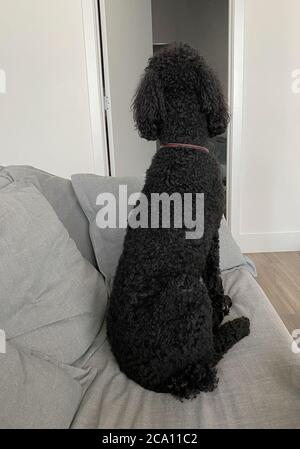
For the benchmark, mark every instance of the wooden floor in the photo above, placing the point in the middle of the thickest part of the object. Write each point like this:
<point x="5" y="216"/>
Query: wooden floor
<point x="279" y="276"/>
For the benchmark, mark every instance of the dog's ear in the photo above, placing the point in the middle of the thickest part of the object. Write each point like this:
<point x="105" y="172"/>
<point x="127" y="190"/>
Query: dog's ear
<point x="148" y="106"/>
<point x="212" y="100"/>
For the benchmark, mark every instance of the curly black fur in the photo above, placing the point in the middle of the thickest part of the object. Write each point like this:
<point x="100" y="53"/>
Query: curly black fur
<point x="167" y="302"/>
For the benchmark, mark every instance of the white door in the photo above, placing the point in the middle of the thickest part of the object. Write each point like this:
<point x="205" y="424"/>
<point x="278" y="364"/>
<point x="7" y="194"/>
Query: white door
<point x="126" y="28"/>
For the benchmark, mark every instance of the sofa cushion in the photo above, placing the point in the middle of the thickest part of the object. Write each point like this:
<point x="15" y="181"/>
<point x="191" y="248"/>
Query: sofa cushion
<point x="37" y="393"/>
<point x="60" y="194"/>
<point x="108" y="242"/>
<point x="52" y="306"/>
<point x="52" y="300"/>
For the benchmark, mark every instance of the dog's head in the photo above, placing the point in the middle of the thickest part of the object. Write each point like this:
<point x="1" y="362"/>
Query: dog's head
<point x="178" y="81"/>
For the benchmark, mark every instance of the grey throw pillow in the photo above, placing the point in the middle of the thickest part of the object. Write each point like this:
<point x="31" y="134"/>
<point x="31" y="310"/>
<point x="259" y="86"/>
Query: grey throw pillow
<point x="60" y="194"/>
<point x="108" y="243"/>
<point x="52" y="306"/>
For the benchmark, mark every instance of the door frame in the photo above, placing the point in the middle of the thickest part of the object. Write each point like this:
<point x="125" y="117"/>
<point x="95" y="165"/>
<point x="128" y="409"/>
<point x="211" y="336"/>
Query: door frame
<point x="235" y="99"/>
<point x="101" y="123"/>
<point x="106" y="83"/>
<point x="95" y="83"/>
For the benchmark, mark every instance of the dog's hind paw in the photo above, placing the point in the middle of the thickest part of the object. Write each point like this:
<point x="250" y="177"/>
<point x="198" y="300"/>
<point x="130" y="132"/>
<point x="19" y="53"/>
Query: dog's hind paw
<point x="230" y="333"/>
<point x="227" y="304"/>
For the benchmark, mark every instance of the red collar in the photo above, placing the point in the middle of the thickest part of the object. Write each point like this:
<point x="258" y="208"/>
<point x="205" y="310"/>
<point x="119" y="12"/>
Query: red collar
<point x="185" y="145"/>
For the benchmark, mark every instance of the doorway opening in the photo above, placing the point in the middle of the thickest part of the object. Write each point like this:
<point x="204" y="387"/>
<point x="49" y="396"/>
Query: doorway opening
<point x="204" y="24"/>
<point x="216" y="29"/>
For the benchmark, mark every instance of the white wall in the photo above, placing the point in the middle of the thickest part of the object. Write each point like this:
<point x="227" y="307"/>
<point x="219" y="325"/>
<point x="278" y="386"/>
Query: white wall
<point x="45" y="115"/>
<point x="270" y="154"/>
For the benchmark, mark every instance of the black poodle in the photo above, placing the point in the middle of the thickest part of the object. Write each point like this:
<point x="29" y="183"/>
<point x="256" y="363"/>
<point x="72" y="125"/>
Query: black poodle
<point x="167" y="302"/>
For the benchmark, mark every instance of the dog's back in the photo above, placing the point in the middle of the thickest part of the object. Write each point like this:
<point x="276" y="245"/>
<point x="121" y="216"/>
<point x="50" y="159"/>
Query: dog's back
<point x="167" y="302"/>
<point x="159" y="318"/>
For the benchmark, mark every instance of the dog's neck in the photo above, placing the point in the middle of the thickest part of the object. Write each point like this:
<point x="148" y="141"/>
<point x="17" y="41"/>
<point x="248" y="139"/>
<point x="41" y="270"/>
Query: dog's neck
<point x="202" y="141"/>
<point x="197" y="148"/>
<point x="183" y="131"/>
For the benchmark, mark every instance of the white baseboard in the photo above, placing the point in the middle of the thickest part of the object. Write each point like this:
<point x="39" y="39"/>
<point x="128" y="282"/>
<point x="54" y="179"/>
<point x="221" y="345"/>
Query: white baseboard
<point x="269" y="242"/>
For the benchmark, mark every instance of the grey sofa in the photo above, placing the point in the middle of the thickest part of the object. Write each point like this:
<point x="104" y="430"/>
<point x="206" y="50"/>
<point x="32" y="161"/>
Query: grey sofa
<point x="259" y="379"/>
